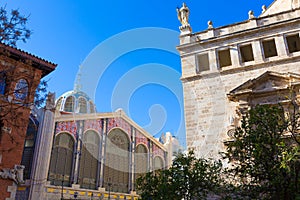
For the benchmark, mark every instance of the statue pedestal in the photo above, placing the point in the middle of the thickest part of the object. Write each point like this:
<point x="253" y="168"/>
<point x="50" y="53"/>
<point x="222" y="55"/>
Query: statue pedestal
<point x="185" y="30"/>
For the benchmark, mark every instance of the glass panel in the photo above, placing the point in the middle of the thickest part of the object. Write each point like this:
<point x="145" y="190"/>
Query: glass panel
<point x="202" y="63"/>
<point x="21" y="90"/>
<point x="246" y="53"/>
<point x="58" y="104"/>
<point x="158" y="163"/>
<point x="69" y="105"/>
<point x="61" y="160"/>
<point x="89" y="161"/>
<point x="269" y="48"/>
<point x="116" y="176"/>
<point x="224" y="58"/>
<point x="82" y="105"/>
<point x="2" y="83"/>
<point x="293" y="43"/>
<point x="92" y="107"/>
<point x="141" y="161"/>
<point x="28" y="150"/>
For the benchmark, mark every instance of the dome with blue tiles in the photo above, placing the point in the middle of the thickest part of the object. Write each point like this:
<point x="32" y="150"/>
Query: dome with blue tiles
<point x="75" y="101"/>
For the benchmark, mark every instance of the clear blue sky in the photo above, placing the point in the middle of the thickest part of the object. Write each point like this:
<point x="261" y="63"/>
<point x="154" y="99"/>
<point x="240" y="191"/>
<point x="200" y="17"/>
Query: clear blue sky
<point x="143" y="79"/>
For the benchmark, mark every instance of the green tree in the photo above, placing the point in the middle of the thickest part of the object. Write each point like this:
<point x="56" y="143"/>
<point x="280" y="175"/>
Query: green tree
<point x="188" y="178"/>
<point x="13" y="27"/>
<point x="264" y="157"/>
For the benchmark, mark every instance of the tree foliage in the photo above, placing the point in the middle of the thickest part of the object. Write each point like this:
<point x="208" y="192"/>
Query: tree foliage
<point x="188" y="178"/>
<point x="264" y="156"/>
<point x="13" y="27"/>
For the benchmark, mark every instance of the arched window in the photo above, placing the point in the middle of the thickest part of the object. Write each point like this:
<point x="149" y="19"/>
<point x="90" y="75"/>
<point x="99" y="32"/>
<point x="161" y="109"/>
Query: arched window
<point x="61" y="160"/>
<point x="158" y="163"/>
<point x="69" y="104"/>
<point x="92" y="107"/>
<point x="141" y="161"/>
<point x="28" y="150"/>
<point x="89" y="160"/>
<point x="2" y="82"/>
<point x="116" y="170"/>
<point x="82" y="105"/>
<point x="58" y="103"/>
<point x="21" y="90"/>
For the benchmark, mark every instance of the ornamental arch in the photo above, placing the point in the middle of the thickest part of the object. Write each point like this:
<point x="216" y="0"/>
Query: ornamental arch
<point x="61" y="162"/>
<point x="88" y="170"/>
<point x="117" y="160"/>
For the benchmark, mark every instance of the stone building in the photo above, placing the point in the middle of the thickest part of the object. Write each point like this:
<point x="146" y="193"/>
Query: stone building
<point x="20" y="74"/>
<point x="79" y="152"/>
<point x="228" y="69"/>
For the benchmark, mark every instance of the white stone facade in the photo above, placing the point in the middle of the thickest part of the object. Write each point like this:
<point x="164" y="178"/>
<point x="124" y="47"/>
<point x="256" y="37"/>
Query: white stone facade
<point x="218" y="60"/>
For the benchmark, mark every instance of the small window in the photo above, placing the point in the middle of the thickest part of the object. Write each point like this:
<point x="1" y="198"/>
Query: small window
<point x="202" y="63"/>
<point x="21" y="90"/>
<point x="246" y="53"/>
<point x="2" y="82"/>
<point x="293" y="43"/>
<point x="269" y="48"/>
<point x="92" y="107"/>
<point x="224" y="58"/>
<point x="69" y="105"/>
<point x="82" y="105"/>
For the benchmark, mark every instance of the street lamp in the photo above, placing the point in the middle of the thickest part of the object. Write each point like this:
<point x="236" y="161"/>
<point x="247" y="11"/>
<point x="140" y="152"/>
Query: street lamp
<point x="109" y="185"/>
<point x="62" y="187"/>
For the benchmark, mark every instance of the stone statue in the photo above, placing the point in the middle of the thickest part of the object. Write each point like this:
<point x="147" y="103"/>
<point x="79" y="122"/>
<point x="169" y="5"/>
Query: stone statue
<point x="15" y="174"/>
<point x="251" y="14"/>
<point x="50" y="102"/>
<point x="183" y="15"/>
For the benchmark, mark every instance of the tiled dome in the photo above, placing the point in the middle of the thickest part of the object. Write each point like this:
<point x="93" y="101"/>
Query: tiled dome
<point x="75" y="102"/>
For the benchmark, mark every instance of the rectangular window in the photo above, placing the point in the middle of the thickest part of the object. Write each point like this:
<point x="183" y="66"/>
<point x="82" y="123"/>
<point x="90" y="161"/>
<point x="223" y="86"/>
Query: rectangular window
<point x="246" y="53"/>
<point x="293" y="43"/>
<point x="202" y="62"/>
<point x="269" y="48"/>
<point x="224" y="58"/>
<point x="2" y="83"/>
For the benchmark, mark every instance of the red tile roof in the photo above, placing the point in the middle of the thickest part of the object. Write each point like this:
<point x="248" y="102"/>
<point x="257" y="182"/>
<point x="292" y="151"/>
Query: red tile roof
<point x="38" y="62"/>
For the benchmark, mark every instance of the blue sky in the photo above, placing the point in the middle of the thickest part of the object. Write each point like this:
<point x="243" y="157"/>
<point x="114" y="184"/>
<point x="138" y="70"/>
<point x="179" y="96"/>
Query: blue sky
<point x="142" y="79"/>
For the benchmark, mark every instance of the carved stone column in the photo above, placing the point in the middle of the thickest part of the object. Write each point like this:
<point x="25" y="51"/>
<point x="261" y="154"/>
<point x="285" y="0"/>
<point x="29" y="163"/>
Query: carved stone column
<point x="42" y="153"/>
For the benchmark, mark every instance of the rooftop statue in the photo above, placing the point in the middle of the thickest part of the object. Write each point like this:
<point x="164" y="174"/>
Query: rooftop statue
<point x="183" y="15"/>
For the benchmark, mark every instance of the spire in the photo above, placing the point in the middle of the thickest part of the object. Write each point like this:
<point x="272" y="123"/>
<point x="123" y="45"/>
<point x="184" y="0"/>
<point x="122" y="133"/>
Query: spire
<point x="77" y="85"/>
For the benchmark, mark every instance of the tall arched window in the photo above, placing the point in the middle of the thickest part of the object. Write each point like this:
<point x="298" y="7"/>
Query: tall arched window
<point x="21" y="90"/>
<point x="116" y="170"/>
<point x="2" y="82"/>
<point x="158" y="163"/>
<point x="89" y="160"/>
<point x="82" y="105"/>
<point x="69" y="104"/>
<point x="29" y="145"/>
<point x="61" y="160"/>
<point x="141" y="160"/>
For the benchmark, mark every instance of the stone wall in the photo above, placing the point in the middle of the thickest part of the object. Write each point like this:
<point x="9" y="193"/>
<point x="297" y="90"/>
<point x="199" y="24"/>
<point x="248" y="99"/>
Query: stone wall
<point x="209" y="113"/>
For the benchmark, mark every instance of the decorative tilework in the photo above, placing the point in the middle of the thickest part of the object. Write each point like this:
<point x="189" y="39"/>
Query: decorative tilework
<point x="66" y="126"/>
<point x="157" y="151"/>
<point x="140" y="138"/>
<point x="119" y="122"/>
<point x="95" y="124"/>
